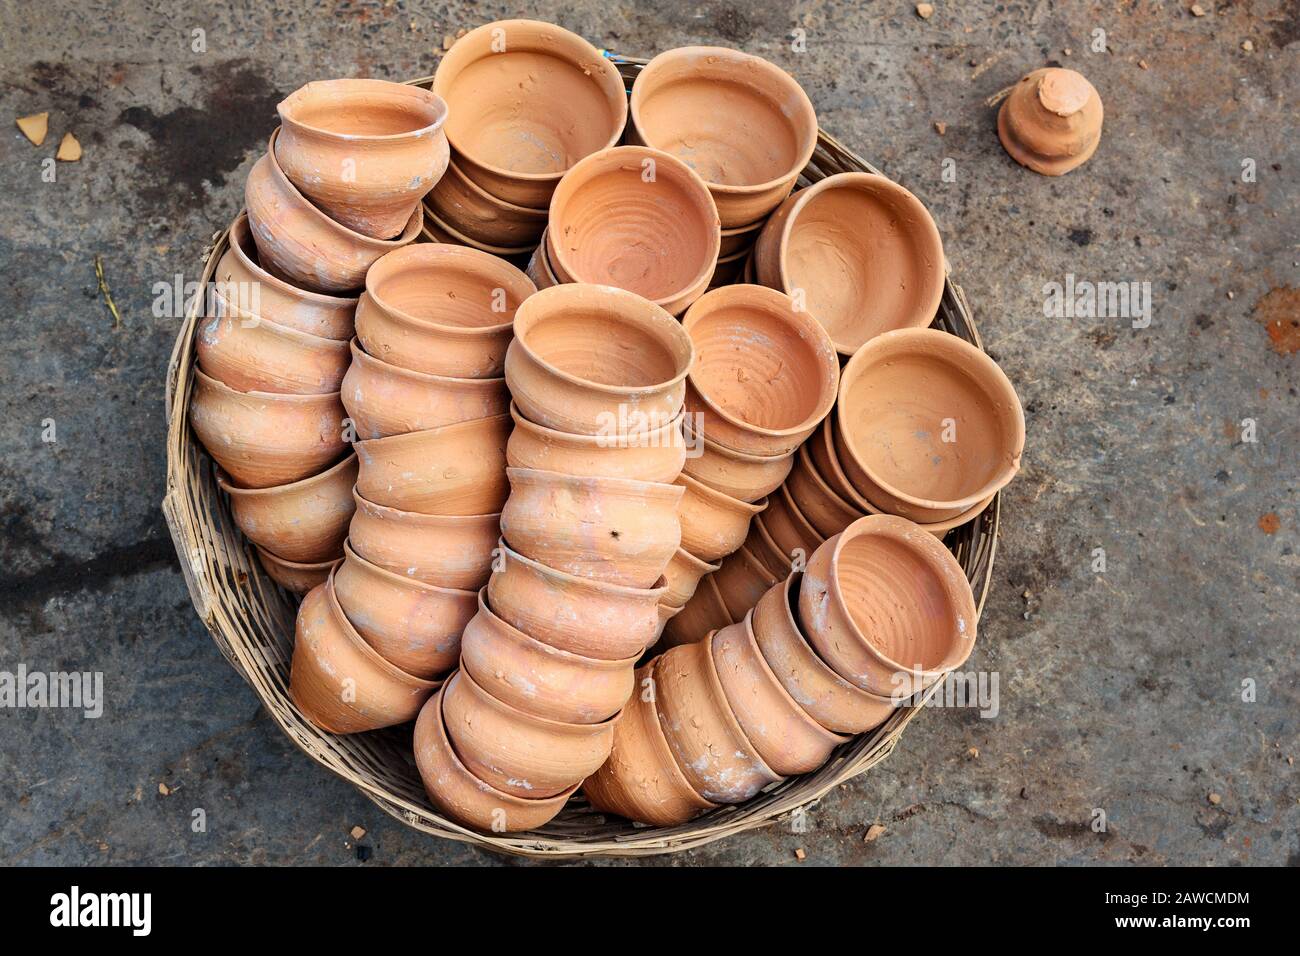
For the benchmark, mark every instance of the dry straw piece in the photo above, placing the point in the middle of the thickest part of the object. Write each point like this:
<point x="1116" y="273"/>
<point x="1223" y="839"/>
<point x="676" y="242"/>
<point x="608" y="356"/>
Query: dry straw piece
<point x="252" y="621"/>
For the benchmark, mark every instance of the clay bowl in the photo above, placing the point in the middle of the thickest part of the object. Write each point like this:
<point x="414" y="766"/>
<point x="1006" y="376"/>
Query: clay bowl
<point x="739" y="239"/>
<point x="295" y="576"/>
<point x="539" y="266"/>
<point x="519" y="753"/>
<point x="441" y="309"/>
<point x="710" y="747"/>
<point x="760" y="544"/>
<point x="338" y="681"/>
<point x="414" y="625"/>
<point x="384" y="400"/>
<point x="901" y="395"/>
<point x="828" y="698"/>
<point x="638" y="219"/>
<point x="729" y="270"/>
<point x="1051" y="121"/>
<point x="475" y="213"/>
<point x="746" y="477"/>
<point x="299" y="243"/>
<point x="825" y="510"/>
<point x="590" y="618"/>
<point x="683" y="575"/>
<point x="450" y="551"/>
<point x="641" y="780"/>
<point x="887" y="606"/>
<point x="364" y="151"/>
<point x="703" y="614"/>
<point x="864" y="252"/>
<point x="765" y="374"/>
<point x="438" y="230"/>
<point x="655" y="455"/>
<point x="610" y="529"/>
<point x="464" y="797"/>
<point x="250" y="288"/>
<point x="788" y="528"/>
<point x="741" y="581"/>
<point x="741" y="122"/>
<point x="539" y="679"/>
<point x="454" y="470"/>
<point x="304" y="521"/>
<point x="527" y="100"/>
<point x="263" y="439"/>
<point x="595" y="360"/>
<point x="713" y="524"/>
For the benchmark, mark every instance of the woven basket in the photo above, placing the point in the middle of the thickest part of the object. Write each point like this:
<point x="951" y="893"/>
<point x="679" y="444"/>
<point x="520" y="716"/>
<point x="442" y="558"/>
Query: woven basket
<point x="252" y="621"/>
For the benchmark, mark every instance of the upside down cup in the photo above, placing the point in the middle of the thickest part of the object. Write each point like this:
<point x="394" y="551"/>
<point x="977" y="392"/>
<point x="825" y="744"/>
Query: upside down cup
<point x="451" y="551"/>
<point x="304" y="521"/>
<point x="1051" y="121"/>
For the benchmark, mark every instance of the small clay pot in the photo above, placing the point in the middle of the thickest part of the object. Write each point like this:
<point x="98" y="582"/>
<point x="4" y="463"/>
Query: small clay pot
<point x="930" y="425"/>
<point x="765" y="374"/>
<point x="862" y="254"/>
<point x="450" y="551"/>
<point x="610" y="529"/>
<point x="304" y="521"/>
<point x="528" y="100"/>
<point x="788" y="527"/>
<point x="539" y="679"/>
<point x="655" y="455"/>
<point x="252" y="354"/>
<point x="683" y="575"/>
<point x="438" y="230"/>
<point x="539" y="266"/>
<point x="1051" y="121"/>
<point x="761" y="545"/>
<point x="741" y="581"/>
<point x="826" y="511"/>
<point x="741" y="122"/>
<point x="713" y="524"/>
<point x="595" y="360"/>
<point x="746" y="477"/>
<point x="262" y="439"/>
<point x="887" y="606"/>
<point x="472" y="211"/>
<point x="454" y="470"/>
<point x="295" y="576"/>
<point x="703" y="614"/>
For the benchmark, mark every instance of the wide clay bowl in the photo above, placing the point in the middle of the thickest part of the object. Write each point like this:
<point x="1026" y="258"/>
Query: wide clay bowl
<point x="741" y="581"/>
<point x="789" y="529"/>
<point x="414" y="625"/>
<point x="765" y="373"/>
<point x="713" y="524"/>
<point x="703" y="614"/>
<point x="475" y="213"/>
<point x="295" y="576"/>
<point x="826" y="696"/>
<point x="741" y="122"/>
<point x="364" y="151"/>
<point x="706" y="740"/>
<point x="817" y="501"/>
<point x="451" y="551"/>
<point x="887" y="606"/>
<point x="539" y="679"/>
<point x="638" y="219"/>
<point x="263" y="439"/>
<point x="859" y="252"/>
<point x="930" y="425"/>
<point x="464" y="797"/>
<point x="304" y="521"/>
<point x="641" y="779"/>
<point x="1051" y="121"/>
<point x="384" y="399"/>
<point x="454" y="470"/>
<point x="611" y="529"/>
<point x="655" y="455"/>
<point x="734" y="473"/>
<point x="683" y="574"/>
<point x="299" y="243"/>
<point x="528" y="100"/>
<point x="338" y="681"/>
<point x="516" y="752"/>
<point x="575" y="614"/>
<point x="441" y="309"/>
<point x="595" y="360"/>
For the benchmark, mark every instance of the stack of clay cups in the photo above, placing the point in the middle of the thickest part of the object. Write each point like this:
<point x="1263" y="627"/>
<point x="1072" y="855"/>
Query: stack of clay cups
<point x="598" y="378"/>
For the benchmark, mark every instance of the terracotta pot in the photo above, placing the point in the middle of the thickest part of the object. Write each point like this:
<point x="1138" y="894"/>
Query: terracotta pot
<point x="262" y="439"/>
<point x="641" y="779"/>
<point x="930" y="425"/>
<point x="451" y="551"/>
<point x="788" y="527"/>
<point x="539" y="679"/>
<point x="438" y="230"/>
<point x="655" y="455"/>
<point x="454" y="470"/>
<point x="739" y="239"/>
<point x="440" y="309"/>
<point x="364" y="151"/>
<point x="539" y="266"/>
<point x="863" y="251"/>
<point x="741" y="581"/>
<point x="462" y="204"/>
<point x="887" y="606"/>
<point x="638" y="219"/>
<point x="728" y="270"/>
<point x="707" y="742"/>
<point x="765" y="375"/>
<point x="590" y="618"/>
<point x="304" y="521"/>
<point x="703" y="614"/>
<point x="683" y="575"/>
<point x="519" y="753"/>
<point x="742" y="123"/>
<point x="337" y="681"/>
<point x="295" y="576"/>
<point x="713" y="524"/>
<point x="762" y="546"/>
<point x="609" y="529"/>
<point x="746" y="477"/>
<point x="299" y="243"/>
<point x="414" y="625"/>
<point x="826" y="511"/>
<point x="594" y="360"/>
<point x="666" y="614"/>
<point x="464" y="797"/>
<point x="1051" y="121"/>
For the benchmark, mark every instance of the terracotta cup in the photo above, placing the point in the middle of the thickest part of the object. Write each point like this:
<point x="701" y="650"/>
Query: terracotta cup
<point x="729" y="270"/>
<point x="741" y="581"/>
<point x="703" y="614"/>
<point x="683" y="575"/>
<point x="295" y="576"/>
<point x="539" y="266"/>
<point x="739" y="239"/>
<point x="438" y="230"/>
<point x="734" y="473"/>
<point x="1051" y="121"/>
<point x="713" y="524"/>
<point x="817" y="501"/>
<point x="655" y="455"/>
<point x="475" y="213"/>
<point x="451" y="551"/>
<point x="761" y="545"/>
<point x="304" y="521"/>
<point x="788" y="528"/>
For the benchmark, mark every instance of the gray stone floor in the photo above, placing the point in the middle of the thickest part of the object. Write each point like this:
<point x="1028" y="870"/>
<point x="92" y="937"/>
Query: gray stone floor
<point x="1119" y="690"/>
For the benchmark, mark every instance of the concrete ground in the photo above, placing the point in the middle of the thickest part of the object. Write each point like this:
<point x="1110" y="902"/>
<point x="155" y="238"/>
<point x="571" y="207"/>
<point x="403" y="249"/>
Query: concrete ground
<point x="1162" y="691"/>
